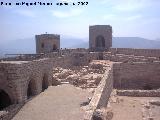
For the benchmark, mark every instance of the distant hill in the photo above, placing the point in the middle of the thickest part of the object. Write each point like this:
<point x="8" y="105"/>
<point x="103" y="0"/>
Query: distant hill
<point x="72" y="42"/>
<point x="128" y="42"/>
<point x="135" y="42"/>
<point x="21" y="46"/>
<point x="28" y="45"/>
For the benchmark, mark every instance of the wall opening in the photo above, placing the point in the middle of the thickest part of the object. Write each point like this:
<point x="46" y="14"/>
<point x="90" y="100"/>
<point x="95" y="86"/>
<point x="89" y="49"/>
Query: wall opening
<point x="42" y="45"/>
<point x="147" y="87"/>
<point x="54" y="47"/>
<point x="45" y="82"/>
<point x="100" y="41"/>
<point x="5" y="100"/>
<point x="31" y="88"/>
<point x="100" y="56"/>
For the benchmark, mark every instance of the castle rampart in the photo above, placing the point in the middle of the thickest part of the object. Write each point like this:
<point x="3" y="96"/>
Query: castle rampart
<point x="139" y="75"/>
<point x="22" y="79"/>
<point x="136" y="52"/>
<point x="46" y="43"/>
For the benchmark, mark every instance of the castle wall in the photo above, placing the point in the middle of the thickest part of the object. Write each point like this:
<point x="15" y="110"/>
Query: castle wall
<point x="75" y="59"/>
<point x="83" y="58"/>
<point x="46" y="43"/>
<point x="103" y="32"/>
<point x="136" y="52"/>
<point x="15" y="77"/>
<point x="101" y="94"/>
<point x="136" y="75"/>
<point x="139" y="93"/>
<point x="128" y="58"/>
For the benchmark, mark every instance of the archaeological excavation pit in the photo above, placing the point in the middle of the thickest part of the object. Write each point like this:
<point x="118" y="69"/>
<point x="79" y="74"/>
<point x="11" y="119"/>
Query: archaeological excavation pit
<point x="140" y="76"/>
<point x="88" y="76"/>
<point x="135" y="90"/>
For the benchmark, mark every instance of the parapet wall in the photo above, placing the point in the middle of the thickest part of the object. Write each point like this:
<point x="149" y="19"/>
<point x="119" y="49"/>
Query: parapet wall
<point x="140" y="75"/>
<point x="101" y="94"/>
<point x="136" y="52"/>
<point x="128" y="58"/>
<point x="139" y="93"/>
<point x="75" y="59"/>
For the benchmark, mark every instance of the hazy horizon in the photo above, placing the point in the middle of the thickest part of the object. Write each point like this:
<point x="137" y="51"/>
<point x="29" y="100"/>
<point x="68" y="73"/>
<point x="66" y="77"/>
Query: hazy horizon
<point x="128" y="18"/>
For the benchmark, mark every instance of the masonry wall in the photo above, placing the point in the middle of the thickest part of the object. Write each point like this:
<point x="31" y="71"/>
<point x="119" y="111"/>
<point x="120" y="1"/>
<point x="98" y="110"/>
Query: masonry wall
<point x="15" y="77"/>
<point x="101" y="94"/>
<point x="46" y="43"/>
<point x="100" y="30"/>
<point x="136" y="52"/>
<point x="128" y="58"/>
<point x="136" y="75"/>
<point x="75" y="59"/>
<point x="83" y="58"/>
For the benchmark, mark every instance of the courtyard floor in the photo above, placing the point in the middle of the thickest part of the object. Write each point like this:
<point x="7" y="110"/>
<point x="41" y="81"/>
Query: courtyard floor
<point x="61" y="102"/>
<point x="134" y="108"/>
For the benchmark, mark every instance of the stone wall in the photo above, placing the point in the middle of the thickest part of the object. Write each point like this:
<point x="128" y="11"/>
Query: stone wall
<point x="46" y="43"/>
<point x="83" y="58"/>
<point x="68" y="51"/>
<point x="76" y="59"/>
<point x="139" y="93"/>
<point x="17" y="76"/>
<point x="136" y="75"/>
<point x="100" y="37"/>
<point x="136" y="52"/>
<point x="101" y="94"/>
<point x="128" y="58"/>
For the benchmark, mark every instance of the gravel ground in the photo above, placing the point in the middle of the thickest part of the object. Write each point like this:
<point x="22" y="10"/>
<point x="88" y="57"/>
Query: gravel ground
<point x="132" y="108"/>
<point x="56" y="103"/>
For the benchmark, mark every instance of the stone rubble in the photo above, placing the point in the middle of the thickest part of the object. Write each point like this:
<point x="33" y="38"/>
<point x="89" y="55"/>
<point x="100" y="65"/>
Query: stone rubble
<point x="84" y="76"/>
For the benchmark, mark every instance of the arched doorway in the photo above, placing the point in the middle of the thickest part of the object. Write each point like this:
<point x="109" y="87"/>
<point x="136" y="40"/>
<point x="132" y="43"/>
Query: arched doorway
<point x="45" y="82"/>
<point x="100" y="56"/>
<point x="31" y="88"/>
<point x="5" y="100"/>
<point x="54" y="47"/>
<point x="100" y="41"/>
<point x="42" y="45"/>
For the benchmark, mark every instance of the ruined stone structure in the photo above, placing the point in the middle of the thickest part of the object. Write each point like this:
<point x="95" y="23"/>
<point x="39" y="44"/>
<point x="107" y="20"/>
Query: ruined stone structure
<point x="46" y="43"/>
<point x="126" y="68"/>
<point x="100" y="37"/>
<point x="21" y="79"/>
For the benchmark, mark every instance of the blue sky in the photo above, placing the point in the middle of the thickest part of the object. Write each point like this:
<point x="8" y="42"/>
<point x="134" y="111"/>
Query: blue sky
<point x="138" y="18"/>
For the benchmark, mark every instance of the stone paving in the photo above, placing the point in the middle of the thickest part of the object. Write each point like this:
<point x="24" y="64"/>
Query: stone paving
<point x="56" y="103"/>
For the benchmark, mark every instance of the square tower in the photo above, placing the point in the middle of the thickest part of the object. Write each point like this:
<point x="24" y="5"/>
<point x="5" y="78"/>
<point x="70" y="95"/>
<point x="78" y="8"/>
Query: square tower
<point x="100" y="37"/>
<point x="46" y="43"/>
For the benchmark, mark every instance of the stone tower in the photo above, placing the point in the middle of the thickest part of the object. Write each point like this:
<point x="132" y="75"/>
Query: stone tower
<point x="100" y="37"/>
<point x="46" y="43"/>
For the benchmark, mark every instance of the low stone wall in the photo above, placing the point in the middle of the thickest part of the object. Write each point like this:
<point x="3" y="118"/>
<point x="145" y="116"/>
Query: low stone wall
<point x="128" y="58"/>
<point x="68" y="51"/>
<point x="76" y="59"/>
<point x="136" y="52"/>
<point x="139" y="75"/>
<point x="139" y="93"/>
<point x="101" y="94"/>
<point x="83" y="58"/>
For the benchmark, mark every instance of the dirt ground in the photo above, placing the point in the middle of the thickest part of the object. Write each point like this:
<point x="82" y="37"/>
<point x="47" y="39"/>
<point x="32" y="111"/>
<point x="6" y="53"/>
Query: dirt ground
<point x="56" y="103"/>
<point x="133" y="108"/>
